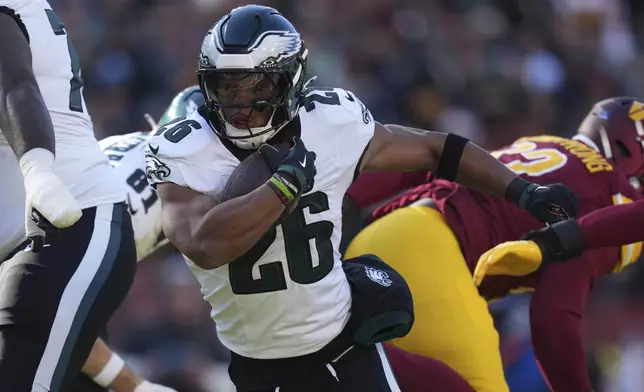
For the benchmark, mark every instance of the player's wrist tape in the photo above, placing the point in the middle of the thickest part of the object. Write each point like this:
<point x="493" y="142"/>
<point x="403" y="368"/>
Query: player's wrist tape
<point x="35" y="158"/>
<point x="284" y="189"/>
<point x="518" y="192"/>
<point x="451" y="156"/>
<point x="111" y="369"/>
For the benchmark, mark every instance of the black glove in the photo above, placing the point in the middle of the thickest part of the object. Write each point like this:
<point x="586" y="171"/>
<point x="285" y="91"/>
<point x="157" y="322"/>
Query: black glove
<point x="549" y="203"/>
<point x="294" y="175"/>
<point x="558" y="242"/>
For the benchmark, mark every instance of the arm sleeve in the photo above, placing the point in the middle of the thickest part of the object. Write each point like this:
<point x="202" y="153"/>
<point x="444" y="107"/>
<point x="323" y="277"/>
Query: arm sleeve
<point x="615" y="225"/>
<point x="556" y="318"/>
<point x="358" y="129"/>
<point x="160" y="168"/>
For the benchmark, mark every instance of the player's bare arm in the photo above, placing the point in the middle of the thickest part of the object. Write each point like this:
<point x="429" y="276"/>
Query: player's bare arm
<point x="25" y="122"/>
<point x="212" y="234"/>
<point x="24" y="118"/>
<point x="109" y="370"/>
<point x="114" y="372"/>
<point x="395" y="147"/>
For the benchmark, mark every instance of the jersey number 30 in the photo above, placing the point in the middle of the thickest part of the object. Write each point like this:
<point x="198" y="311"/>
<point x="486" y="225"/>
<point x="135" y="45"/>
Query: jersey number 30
<point x="297" y="237"/>
<point x="534" y="161"/>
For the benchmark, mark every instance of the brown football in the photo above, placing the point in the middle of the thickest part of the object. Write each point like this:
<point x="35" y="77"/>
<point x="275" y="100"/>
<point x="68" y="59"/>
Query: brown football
<point x="250" y="174"/>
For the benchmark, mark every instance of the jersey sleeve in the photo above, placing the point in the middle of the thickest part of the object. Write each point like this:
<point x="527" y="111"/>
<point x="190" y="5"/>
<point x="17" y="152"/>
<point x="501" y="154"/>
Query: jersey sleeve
<point x="161" y="167"/>
<point x="345" y="126"/>
<point x="358" y="130"/>
<point x="173" y="153"/>
<point x="613" y="226"/>
<point x="620" y="227"/>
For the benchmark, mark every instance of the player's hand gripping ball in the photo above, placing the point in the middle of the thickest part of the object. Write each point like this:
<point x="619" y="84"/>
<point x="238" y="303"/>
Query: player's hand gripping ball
<point x="251" y="173"/>
<point x="294" y="174"/>
<point x="288" y="168"/>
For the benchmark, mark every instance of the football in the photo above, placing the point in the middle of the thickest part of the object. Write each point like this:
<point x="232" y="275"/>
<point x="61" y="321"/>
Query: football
<point x="250" y="174"/>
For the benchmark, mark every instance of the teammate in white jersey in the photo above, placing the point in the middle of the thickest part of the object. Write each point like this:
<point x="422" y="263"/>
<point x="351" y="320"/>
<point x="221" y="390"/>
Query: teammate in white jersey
<point x="126" y="155"/>
<point x="60" y="290"/>
<point x="294" y="316"/>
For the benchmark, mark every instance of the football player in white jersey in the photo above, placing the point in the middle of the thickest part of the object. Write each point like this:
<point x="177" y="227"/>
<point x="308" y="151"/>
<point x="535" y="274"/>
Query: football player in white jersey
<point x="126" y="156"/>
<point x="59" y="291"/>
<point x="293" y="315"/>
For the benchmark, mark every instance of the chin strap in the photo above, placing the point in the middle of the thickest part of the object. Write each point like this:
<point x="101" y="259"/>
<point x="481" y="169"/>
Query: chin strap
<point x="306" y="84"/>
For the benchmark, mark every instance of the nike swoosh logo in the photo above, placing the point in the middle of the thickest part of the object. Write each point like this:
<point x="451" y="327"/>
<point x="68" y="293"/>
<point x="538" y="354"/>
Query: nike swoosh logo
<point x="303" y="163"/>
<point x="154" y="149"/>
<point x="350" y="97"/>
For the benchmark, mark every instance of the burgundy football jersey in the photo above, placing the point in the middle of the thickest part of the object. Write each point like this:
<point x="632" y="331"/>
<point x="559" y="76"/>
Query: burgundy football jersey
<point x="482" y="221"/>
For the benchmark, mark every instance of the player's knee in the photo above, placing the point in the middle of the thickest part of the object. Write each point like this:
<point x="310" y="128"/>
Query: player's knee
<point x="382" y="302"/>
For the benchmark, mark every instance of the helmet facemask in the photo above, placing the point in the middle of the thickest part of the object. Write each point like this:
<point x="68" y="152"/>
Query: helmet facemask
<point x="251" y="69"/>
<point x="250" y="105"/>
<point x="635" y="179"/>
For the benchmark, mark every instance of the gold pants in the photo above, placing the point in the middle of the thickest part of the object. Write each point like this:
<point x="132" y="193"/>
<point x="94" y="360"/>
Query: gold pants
<point x="452" y="320"/>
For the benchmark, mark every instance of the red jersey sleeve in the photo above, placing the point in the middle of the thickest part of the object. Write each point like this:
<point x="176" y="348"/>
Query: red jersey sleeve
<point x="612" y="226"/>
<point x="556" y="313"/>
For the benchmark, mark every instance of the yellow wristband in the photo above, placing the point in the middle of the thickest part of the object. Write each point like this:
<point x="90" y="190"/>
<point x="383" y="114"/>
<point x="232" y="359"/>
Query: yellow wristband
<point x="280" y="189"/>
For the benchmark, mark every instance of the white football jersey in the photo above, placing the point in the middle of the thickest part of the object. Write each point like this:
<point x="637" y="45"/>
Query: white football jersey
<point x="79" y="161"/>
<point x="127" y="156"/>
<point x="292" y="298"/>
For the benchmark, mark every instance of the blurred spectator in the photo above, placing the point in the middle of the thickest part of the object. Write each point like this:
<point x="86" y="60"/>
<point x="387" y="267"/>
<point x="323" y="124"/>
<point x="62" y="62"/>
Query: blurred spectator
<point x="492" y="70"/>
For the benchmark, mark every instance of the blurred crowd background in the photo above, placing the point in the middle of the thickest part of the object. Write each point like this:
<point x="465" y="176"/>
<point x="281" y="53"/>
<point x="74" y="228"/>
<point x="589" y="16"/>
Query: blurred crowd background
<point x="493" y="70"/>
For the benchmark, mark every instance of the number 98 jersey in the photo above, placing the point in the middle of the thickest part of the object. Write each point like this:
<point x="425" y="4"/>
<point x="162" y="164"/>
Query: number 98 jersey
<point x="127" y="157"/>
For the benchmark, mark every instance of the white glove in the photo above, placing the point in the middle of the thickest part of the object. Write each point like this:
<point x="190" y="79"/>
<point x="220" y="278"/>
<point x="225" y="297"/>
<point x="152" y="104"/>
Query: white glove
<point x="46" y="192"/>
<point x="147" y="386"/>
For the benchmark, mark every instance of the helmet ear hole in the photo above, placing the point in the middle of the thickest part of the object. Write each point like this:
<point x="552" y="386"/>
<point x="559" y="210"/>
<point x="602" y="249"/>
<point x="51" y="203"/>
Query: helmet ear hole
<point x="623" y="150"/>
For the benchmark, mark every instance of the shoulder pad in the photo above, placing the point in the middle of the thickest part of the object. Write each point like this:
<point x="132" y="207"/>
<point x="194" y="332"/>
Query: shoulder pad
<point x="127" y="141"/>
<point x="335" y="105"/>
<point x="108" y="141"/>
<point x="181" y="137"/>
